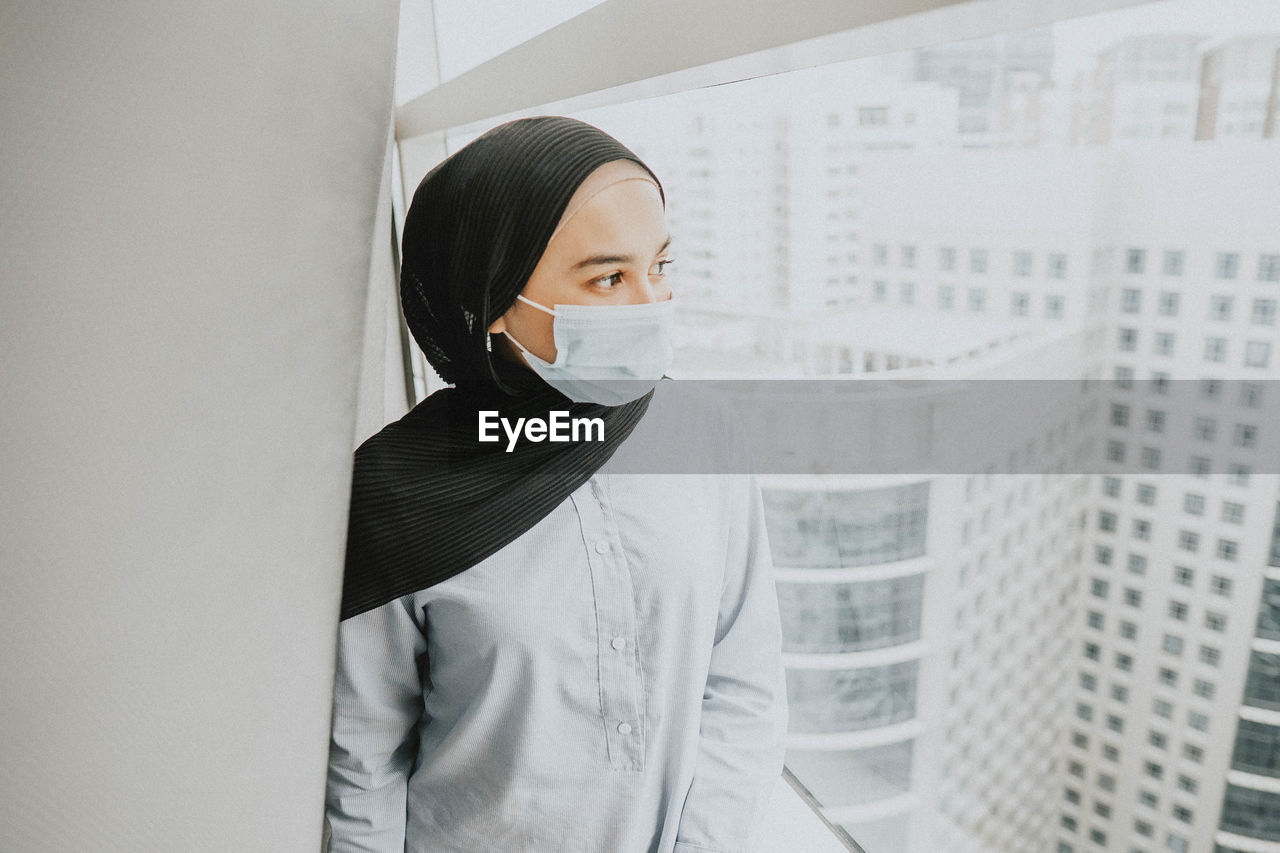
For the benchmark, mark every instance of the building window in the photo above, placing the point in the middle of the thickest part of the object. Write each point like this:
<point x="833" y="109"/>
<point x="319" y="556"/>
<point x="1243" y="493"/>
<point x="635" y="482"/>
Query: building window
<point x="1022" y="264"/>
<point x="1092" y="651"/>
<point x="1220" y="307"/>
<point x="1250" y="395"/>
<point x="1054" y="306"/>
<point x="1099" y="588"/>
<point x="1257" y="353"/>
<point x="1124" y="662"/>
<point x="1128" y="631"/>
<point x="1115" y="451"/>
<point x="1215" y="349"/>
<point x="880" y="254"/>
<point x="1173" y="262"/>
<point x="1215" y="621"/>
<point x="1178" y="610"/>
<point x="1127" y="339"/>
<point x="1186" y="783"/>
<point x="1135" y="260"/>
<point x="1245" y="435"/>
<point x="1237" y="474"/>
<point x="1164" y="343"/>
<point x="1172" y="644"/>
<point x="1111" y="485"/>
<point x="1189" y="540"/>
<point x="977" y="261"/>
<point x="1219" y="585"/>
<point x="873" y="116"/>
<point x="1095" y="620"/>
<point x="1119" y="415"/>
<point x="1132" y="597"/>
<point x="1205" y="429"/>
<point x="906" y="293"/>
<point x="1089" y="682"/>
<point x="1151" y="459"/>
<point x="977" y="299"/>
<point x="1192" y="752"/>
<point x="1183" y="576"/>
<point x="1152" y="769"/>
<point x="1115" y="723"/>
<point x="907" y="254"/>
<point x="1162" y="709"/>
<point x="947" y="258"/>
<point x="1198" y="466"/>
<point x="1193" y="504"/>
<point x="1155" y="420"/>
<point x="1168" y="677"/>
<point x="1131" y="300"/>
<point x="1157" y="739"/>
<point x="946" y="297"/>
<point x="1137" y="564"/>
<point x="1084" y="711"/>
<point x="1210" y="656"/>
<point x="1019" y="304"/>
<point x="1226" y="265"/>
<point x="1228" y="550"/>
<point x="1268" y="267"/>
<point x="1123" y="376"/>
<point x="1102" y="554"/>
<point x="1057" y="265"/>
<point x="1264" y="312"/>
<point x="1167" y="306"/>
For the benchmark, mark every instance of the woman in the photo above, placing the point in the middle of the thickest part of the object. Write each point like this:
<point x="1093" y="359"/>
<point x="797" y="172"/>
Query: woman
<point x="536" y="654"/>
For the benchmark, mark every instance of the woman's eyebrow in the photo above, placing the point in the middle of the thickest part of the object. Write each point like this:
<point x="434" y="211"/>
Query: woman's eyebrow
<point x="603" y="260"/>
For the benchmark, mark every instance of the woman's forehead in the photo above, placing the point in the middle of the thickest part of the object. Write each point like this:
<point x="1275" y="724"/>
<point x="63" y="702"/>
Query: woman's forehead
<point x="606" y="176"/>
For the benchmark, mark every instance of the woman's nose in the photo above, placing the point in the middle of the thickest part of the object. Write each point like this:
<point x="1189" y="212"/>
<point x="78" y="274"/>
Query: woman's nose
<point x="648" y="293"/>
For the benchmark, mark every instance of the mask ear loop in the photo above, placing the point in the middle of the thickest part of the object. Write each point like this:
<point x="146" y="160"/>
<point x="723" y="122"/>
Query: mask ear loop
<point x="535" y="304"/>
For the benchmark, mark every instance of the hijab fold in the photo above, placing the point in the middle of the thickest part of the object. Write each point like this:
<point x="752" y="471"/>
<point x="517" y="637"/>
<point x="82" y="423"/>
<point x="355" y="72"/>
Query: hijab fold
<point x="428" y="500"/>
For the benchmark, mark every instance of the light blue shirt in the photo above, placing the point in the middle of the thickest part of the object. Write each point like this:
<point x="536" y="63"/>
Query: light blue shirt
<point x="610" y="682"/>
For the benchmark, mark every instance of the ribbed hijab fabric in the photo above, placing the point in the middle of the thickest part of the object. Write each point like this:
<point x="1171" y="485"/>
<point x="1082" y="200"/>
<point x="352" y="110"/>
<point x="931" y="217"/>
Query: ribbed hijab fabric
<point x="428" y="500"/>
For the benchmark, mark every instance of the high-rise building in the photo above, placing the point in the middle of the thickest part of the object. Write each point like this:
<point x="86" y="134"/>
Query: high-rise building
<point x="1141" y="88"/>
<point x="1238" y="79"/>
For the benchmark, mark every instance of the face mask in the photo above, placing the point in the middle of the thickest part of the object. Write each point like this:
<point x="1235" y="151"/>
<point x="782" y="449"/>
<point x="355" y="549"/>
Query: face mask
<point x="607" y="354"/>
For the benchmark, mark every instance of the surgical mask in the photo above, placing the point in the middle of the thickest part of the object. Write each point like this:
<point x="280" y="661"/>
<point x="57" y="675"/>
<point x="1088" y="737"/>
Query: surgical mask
<point x="607" y="354"/>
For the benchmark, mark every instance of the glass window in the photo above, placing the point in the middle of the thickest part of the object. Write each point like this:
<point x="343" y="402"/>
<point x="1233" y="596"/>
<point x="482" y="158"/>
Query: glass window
<point x="1262" y="685"/>
<point x="1164" y="343"/>
<point x="1193" y="504"/>
<point x="1173" y="262"/>
<point x="1167" y="306"/>
<point x="1215" y="349"/>
<point x="1220" y="307"/>
<point x="907" y="255"/>
<point x="1131" y="300"/>
<point x="1215" y="621"/>
<point x="1182" y="575"/>
<point x="848" y="700"/>
<point x="1155" y="420"/>
<point x="1172" y="644"/>
<point x="1054" y="306"/>
<point x="1135" y="260"/>
<point x="833" y="618"/>
<point x="1226" y="265"/>
<point x="977" y="260"/>
<point x="1264" y="312"/>
<point x="946" y="297"/>
<point x="1257" y="749"/>
<point x="1057" y="265"/>
<point x="1232" y="513"/>
<point x="977" y="299"/>
<point x="1111" y="485"/>
<point x="1268" y="267"/>
<point x="831" y="529"/>
<point x="1137" y="564"/>
<point x="1127" y="339"/>
<point x="1178" y="611"/>
<point x="1257" y="353"/>
<point x="1019" y="304"/>
<point x="1209" y="655"/>
<point x="1269" y="611"/>
<point x="947" y="258"/>
<point x="1022" y="264"/>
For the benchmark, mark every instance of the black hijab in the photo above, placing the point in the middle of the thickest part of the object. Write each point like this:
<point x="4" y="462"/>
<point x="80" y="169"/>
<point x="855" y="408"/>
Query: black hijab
<point x="428" y="500"/>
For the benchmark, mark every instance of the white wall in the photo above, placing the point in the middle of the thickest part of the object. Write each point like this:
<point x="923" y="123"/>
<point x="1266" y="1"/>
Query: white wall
<point x="187" y="203"/>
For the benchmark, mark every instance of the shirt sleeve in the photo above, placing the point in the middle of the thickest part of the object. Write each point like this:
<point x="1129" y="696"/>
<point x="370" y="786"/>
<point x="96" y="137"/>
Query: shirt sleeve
<point x="377" y="703"/>
<point x="744" y="707"/>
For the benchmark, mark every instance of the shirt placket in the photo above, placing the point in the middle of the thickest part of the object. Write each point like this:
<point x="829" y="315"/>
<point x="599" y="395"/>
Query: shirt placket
<point x="616" y="623"/>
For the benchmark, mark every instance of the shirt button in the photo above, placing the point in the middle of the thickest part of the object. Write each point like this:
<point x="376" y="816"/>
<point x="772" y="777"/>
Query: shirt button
<point x="602" y="547"/>
<point x="624" y="728"/>
<point x="619" y="643"/>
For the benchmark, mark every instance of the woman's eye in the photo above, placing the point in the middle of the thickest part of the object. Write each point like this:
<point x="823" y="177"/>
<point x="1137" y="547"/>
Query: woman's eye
<point x="661" y="266"/>
<point x="609" y="280"/>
